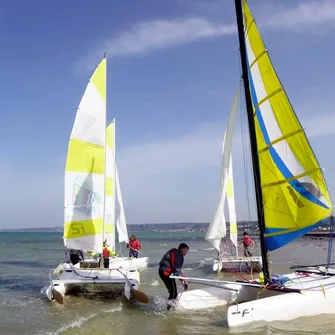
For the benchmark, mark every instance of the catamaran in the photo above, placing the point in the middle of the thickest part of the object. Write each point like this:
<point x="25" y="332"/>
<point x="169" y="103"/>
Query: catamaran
<point x="92" y="190"/>
<point x="291" y="196"/>
<point x="217" y="230"/>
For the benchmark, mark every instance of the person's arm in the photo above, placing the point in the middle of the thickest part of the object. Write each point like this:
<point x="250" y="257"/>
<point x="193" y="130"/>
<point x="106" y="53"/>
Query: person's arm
<point x="138" y="245"/>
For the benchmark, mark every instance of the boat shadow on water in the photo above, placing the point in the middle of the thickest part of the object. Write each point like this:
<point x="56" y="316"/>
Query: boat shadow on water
<point x="94" y="293"/>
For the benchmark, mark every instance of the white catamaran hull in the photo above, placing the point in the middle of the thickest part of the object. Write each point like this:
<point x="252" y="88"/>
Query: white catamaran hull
<point x="238" y="264"/>
<point x="216" y="293"/>
<point x="317" y="297"/>
<point x="206" y="297"/>
<point x="121" y="275"/>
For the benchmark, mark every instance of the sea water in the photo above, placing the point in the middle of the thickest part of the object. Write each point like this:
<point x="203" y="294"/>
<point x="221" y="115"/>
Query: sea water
<point x="26" y="258"/>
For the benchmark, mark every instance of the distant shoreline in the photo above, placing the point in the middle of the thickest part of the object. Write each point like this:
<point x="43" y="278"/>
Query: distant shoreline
<point x="249" y="226"/>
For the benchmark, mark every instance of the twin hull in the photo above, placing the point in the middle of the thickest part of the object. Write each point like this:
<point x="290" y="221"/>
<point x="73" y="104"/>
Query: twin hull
<point x="251" y="303"/>
<point x="123" y="274"/>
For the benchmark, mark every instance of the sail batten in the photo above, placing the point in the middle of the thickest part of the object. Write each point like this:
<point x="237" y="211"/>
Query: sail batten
<point x="295" y="196"/>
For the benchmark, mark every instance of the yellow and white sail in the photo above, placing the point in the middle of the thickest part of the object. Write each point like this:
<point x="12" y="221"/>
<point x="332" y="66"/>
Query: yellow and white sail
<point x="217" y="228"/>
<point x="85" y="168"/>
<point x="295" y="195"/>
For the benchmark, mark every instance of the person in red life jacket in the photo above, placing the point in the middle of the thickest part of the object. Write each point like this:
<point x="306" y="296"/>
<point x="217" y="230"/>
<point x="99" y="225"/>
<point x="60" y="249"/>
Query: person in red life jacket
<point x="105" y="255"/>
<point x="172" y="263"/>
<point x="134" y="246"/>
<point x="247" y="243"/>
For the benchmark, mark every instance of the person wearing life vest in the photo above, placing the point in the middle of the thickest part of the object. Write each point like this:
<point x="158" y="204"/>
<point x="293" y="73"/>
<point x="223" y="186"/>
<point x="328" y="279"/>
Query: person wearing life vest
<point x="172" y="263"/>
<point x="106" y="253"/>
<point x="134" y="246"/>
<point x="76" y="256"/>
<point x="247" y="244"/>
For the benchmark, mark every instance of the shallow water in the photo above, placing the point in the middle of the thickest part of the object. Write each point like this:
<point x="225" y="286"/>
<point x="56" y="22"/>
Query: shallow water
<point x="26" y="259"/>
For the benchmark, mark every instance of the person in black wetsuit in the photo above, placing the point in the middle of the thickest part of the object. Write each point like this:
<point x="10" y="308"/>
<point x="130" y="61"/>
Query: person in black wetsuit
<point x="76" y="256"/>
<point x="172" y="263"/>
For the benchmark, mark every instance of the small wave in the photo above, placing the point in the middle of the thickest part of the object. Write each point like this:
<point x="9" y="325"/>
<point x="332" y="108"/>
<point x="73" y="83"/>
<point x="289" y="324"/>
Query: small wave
<point x="159" y="306"/>
<point x="209" y="259"/>
<point x="115" y="309"/>
<point x="74" y="324"/>
<point x="207" y="249"/>
<point x="163" y="244"/>
<point x="193" y="250"/>
<point x="154" y="283"/>
<point x="201" y="264"/>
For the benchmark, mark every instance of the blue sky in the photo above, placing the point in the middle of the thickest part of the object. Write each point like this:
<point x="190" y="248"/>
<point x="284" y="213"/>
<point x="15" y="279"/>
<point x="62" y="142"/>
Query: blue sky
<point x="173" y="71"/>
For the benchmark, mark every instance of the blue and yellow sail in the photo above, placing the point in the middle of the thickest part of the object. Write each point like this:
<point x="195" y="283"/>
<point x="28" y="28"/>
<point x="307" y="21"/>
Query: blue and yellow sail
<point x="295" y="195"/>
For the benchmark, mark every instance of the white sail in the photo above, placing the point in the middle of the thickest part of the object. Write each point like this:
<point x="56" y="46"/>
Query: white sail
<point x="110" y="186"/>
<point x="231" y="206"/>
<point x="121" y="224"/>
<point x="114" y="204"/>
<point x="85" y="169"/>
<point x="217" y="228"/>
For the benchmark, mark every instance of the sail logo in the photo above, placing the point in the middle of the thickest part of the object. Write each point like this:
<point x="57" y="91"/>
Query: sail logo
<point x="85" y="200"/>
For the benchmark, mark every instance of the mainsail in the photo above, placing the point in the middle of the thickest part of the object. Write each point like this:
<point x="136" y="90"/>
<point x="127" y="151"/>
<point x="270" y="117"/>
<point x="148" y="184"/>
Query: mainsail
<point x="217" y="228"/>
<point x="85" y="168"/>
<point x="295" y="195"/>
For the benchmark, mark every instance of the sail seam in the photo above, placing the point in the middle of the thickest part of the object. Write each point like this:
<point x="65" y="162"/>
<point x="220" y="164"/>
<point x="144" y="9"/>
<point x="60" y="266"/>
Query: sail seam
<point x="279" y="139"/>
<point x="87" y="143"/>
<point x="291" y="179"/>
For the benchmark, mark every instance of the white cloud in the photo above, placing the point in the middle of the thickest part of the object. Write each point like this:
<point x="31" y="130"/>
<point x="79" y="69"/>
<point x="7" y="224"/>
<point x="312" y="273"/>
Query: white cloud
<point x="159" y="34"/>
<point x="307" y="14"/>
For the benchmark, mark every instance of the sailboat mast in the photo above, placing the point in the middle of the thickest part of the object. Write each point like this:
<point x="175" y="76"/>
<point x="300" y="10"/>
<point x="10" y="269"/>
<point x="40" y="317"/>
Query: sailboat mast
<point x="114" y="181"/>
<point x="253" y="142"/>
<point x="104" y="203"/>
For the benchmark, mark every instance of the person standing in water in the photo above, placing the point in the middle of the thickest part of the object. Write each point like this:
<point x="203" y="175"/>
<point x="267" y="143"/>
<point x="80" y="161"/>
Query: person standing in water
<point x="134" y="246"/>
<point x="247" y="243"/>
<point x="172" y="263"/>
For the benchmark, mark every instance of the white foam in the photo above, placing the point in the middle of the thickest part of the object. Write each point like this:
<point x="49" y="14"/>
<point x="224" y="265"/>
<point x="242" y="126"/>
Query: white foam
<point x="154" y="283"/>
<point x="115" y="309"/>
<point x="74" y="324"/>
